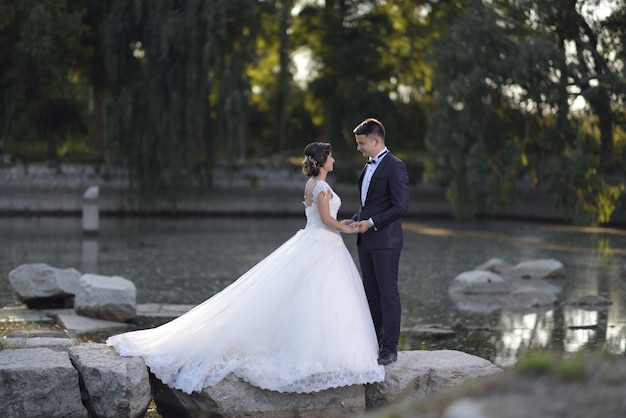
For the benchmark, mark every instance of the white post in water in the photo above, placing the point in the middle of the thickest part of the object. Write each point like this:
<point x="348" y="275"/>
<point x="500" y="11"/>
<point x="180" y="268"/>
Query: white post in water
<point x="90" y="210"/>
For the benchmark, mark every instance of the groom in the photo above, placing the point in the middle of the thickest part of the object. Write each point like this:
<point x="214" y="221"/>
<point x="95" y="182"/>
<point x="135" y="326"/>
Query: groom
<point x="384" y="189"/>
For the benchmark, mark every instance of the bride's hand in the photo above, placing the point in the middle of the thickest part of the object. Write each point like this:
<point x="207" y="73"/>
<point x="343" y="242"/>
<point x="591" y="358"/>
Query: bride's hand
<point x="352" y="227"/>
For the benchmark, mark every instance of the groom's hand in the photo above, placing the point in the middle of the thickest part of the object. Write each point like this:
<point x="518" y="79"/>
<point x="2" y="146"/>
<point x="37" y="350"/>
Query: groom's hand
<point x="362" y="226"/>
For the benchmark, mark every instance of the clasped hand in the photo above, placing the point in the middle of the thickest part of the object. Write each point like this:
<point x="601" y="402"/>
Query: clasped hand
<point x="358" y="226"/>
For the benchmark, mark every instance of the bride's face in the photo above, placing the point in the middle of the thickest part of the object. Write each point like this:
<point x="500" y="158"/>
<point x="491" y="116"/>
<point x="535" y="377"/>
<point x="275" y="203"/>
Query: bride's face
<point x="330" y="161"/>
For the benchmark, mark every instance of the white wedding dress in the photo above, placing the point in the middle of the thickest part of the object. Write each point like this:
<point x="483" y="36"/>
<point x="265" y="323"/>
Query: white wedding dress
<point x="298" y="321"/>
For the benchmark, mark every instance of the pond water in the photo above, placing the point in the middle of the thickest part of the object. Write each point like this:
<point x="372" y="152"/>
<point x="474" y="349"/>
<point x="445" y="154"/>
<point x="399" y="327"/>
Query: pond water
<point x="187" y="260"/>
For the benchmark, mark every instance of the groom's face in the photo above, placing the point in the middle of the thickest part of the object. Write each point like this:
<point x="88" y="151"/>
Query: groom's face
<point x="367" y="145"/>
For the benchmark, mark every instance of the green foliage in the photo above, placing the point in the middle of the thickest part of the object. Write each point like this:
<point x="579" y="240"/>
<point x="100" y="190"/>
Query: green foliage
<point x="347" y="42"/>
<point x="4" y="345"/>
<point x="479" y="94"/>
<point x="475" y="136"/>
<point x="570" y="369"/>
<point x="577" y="188"/>
<point x="41" y="49"/>
<point x="278" y="121"/>
<point x="5" y="330"/>
<point x="164" y="60"/>
<point x="501" y="115"/>
<point x="575" y="366"/>
<point x="535" y="363"/>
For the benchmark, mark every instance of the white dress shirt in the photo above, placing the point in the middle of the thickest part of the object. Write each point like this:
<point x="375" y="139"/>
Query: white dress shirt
<point x="369" y="172"/>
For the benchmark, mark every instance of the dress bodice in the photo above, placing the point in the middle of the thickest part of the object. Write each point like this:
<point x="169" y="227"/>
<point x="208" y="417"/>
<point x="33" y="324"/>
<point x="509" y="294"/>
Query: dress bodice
<point x="312" y="212"/>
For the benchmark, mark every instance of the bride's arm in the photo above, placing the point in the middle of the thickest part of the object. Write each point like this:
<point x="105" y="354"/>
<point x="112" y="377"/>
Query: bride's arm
<point x="323" y="204"/>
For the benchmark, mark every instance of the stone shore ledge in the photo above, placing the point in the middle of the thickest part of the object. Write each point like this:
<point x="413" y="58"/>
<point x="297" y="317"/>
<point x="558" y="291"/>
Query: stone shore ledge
<point x="253" y="188"/>
<point x="57" y="374"/>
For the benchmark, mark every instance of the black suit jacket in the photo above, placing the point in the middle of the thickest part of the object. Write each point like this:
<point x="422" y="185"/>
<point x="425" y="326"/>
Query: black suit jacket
<point x="386" y="202"/>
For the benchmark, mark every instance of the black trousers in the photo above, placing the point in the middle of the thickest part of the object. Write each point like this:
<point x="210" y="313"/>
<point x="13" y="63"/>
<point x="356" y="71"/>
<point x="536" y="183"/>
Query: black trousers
<point x="379" y="269"/>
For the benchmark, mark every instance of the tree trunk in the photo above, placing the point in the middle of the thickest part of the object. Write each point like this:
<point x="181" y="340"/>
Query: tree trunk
<point x="100" y="123"/>
<point x="605" y="121"/>
<point x="51" y="139"/>
<point x="285" y="75"/>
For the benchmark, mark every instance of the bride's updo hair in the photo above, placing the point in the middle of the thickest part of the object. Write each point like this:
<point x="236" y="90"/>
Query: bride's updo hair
<point x="315" y="155"/>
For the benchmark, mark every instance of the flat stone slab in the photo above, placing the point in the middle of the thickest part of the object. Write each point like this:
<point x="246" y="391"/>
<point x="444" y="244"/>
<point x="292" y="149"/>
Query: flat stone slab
<point x="53" y="343"/>
<point x="430" y="331"/>
<point x="78" y="324"/>
<point x="75" y="323"/>
<point x="162" y="310"/>
<point x="23" y="314"/>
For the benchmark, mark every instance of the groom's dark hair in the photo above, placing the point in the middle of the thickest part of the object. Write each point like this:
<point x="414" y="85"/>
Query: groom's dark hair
<point x="370" y="126"/>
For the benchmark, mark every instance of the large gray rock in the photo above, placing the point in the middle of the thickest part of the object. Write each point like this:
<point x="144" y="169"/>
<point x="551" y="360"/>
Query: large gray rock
<point x="77" y="324"/>
<point x="38" y="382"/>
<point x="232" y="397"/>
<point x="111" y="298"/>
<point x="41" y="281"/>
<point x="479" y="282"/>
<point x="527" y="285"/>
<point x="113" y="386"/>
<point x="415" y="374"/>
<point x="543" y="268"/>
<point x="495" y="265"/>
<point x="421" y="373"/>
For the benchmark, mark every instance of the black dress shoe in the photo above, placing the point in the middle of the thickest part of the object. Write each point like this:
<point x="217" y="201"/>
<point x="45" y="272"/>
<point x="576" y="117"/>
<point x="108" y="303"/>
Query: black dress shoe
<point x="387" y="358"/>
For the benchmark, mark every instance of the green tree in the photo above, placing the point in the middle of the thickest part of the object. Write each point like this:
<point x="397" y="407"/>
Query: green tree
<point x="372" y="59"/>
<point x="417" y="24"/>
<point x="176" y="78"/>
<point x="42" y="93"/>
<point x="503" y="111"/>
<point x="347" y="41"/>
<point x="94" y="73"/>
<point x="593" y="73"/>
<point x="271" y="128"/>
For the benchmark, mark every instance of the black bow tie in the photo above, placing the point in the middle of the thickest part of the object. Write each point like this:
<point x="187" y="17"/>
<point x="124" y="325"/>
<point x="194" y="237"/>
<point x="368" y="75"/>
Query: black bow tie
<point x="373" y="160"/>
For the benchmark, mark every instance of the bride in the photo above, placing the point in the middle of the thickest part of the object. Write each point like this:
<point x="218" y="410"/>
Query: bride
<point x="298" y="321"/>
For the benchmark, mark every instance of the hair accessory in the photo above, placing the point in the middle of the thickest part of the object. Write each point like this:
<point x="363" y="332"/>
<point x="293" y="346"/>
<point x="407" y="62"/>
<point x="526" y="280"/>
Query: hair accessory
<point x="311" y="160"/>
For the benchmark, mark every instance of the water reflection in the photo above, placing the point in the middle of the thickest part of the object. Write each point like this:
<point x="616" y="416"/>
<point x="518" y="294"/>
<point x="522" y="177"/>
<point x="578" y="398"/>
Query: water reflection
<point x="90" y="249"/>
<point x="593" y="258"/>
<point x="185" y="261"/>
<point x="523" y="333"/>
